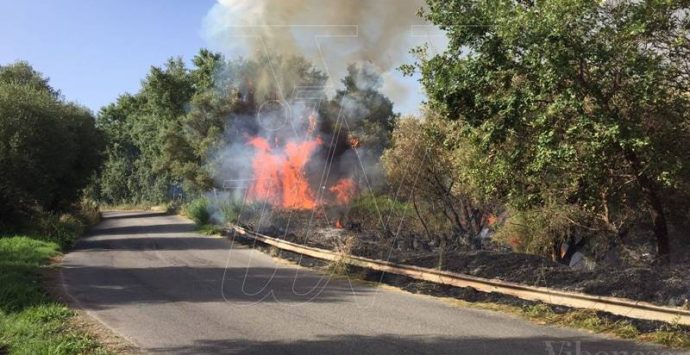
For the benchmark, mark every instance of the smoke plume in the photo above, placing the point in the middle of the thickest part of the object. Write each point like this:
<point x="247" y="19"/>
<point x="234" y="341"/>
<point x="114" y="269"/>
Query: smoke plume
<point x="330" y="33"/>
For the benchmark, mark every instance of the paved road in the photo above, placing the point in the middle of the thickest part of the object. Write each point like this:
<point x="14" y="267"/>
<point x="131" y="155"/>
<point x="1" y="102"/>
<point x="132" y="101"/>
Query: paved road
<point x="150" y="278"/>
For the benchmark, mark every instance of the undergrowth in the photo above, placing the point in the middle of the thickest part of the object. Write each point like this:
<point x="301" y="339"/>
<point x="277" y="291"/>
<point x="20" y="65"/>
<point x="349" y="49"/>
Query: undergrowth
<point x="30" y="322"/>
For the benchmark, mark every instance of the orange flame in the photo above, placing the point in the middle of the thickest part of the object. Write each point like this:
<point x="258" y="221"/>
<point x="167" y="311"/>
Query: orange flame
<point x="279" y="171"/>
<point x="279" y="176"/>
<point x="338" y="224"/>
<point x="343" y="190"/>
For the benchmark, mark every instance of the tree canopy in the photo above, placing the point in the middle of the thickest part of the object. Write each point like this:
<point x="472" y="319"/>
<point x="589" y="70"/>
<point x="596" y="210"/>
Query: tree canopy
<point x="573" y="102"/>
<point x="49" y="148"/>
<point x="161" y="140"/>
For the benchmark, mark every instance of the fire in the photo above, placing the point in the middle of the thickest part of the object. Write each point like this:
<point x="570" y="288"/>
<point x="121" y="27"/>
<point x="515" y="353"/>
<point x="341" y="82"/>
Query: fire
<point x="279" y="177"/>
<point x="338" y="224"/>
<point x="343" y="190"/>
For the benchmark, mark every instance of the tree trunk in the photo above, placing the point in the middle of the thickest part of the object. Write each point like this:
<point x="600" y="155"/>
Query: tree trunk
<point x="651" y="193"/>
<point x="416" y="210"/>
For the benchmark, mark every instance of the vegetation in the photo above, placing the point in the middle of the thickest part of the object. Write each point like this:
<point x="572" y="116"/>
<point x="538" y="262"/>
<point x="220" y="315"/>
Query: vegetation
<point x="30" y="322"/>
<point x="424" y="170"/>
<point x="669" y="335"/>
<point x="49" y="148"/>
<point x="198" y="211"/>
<point x="578" y="104"/>
<point x="366" y="112"/>
<point x="161" y="141"/>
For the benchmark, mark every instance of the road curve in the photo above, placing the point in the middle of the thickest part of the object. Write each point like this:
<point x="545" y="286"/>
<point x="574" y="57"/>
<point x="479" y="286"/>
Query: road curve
<point x="153" y="280"/>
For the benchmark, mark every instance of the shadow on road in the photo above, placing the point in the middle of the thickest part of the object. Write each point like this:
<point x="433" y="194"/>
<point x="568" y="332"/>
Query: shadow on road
<point x="152" y="243"/>
<point x="391" y="344"/>
<point x="132" y="214"/>
<point x="148" y="229"/>
<point x="105" y="287"/>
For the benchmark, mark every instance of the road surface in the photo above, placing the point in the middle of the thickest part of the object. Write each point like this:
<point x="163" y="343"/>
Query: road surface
<point x="150" y="278"/>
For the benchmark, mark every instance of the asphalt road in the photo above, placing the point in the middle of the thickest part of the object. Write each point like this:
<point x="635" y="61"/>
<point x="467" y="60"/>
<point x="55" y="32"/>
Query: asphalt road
<point x="154" y="281"/>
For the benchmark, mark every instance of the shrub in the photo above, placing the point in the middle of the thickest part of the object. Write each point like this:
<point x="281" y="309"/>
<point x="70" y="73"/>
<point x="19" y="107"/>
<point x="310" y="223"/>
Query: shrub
<point x="198" y="211"/>
<point x="89" y="212"/>
<point x="62" y="230"/>
<point x="374" y="204"/>
<point x="231" y="210"/>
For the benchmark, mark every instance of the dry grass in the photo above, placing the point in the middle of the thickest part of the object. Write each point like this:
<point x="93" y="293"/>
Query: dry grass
<point x="672" y="335"/>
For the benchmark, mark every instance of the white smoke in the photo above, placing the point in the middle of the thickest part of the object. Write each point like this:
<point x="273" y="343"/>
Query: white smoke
<point x="330" y="33"/>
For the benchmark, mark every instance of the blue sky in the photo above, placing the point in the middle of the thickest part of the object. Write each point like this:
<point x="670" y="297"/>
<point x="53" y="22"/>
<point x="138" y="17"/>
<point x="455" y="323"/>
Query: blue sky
<point x="95" y="50"/>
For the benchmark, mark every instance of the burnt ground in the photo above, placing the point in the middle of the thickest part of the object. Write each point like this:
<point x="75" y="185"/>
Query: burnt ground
<point x="666" y="285"/>
<point x="467" y="294"/>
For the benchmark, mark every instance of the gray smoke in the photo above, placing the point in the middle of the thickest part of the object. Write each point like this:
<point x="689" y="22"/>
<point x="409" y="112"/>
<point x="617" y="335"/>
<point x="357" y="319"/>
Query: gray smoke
<point x="330" y="33"/>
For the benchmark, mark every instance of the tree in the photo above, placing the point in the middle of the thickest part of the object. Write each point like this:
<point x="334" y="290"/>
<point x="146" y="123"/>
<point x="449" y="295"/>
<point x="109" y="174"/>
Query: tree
<point x="22" y="73"/>
<point x="580" y="102"/>
<point x="117" y="182"/>
<point x="49" y="149"/>
<point x="140" y="129"/>
<point x="422" y="166"/>
<point x="160" y="139"/>
<point x="368" y="113"/>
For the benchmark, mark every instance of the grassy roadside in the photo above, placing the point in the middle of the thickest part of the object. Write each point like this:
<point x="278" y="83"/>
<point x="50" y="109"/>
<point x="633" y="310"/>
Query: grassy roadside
<point x="654" y="332"/>
<point x="671" y="335"/>
<point x="30" y="321"/>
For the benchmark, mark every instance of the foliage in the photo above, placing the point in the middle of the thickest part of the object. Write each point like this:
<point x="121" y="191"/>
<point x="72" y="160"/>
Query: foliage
<point x="162" y="140"/>
<point x="362" y="109"/>
<point x="62" y="229"/>
<point x="425" y="166"/>
<point x="199" y="211"/>
<point x="371" y="203"/>
<point x="232" y="210"/>
<point x="49" y="149"/>
<point x="30" y="323"/>
<point x="139" y="129"/>
<point x="544" y="230"/>
<point x="580" y="102"/>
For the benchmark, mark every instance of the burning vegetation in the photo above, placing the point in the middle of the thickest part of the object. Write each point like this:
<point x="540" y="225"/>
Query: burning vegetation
<point x="280" y="177"/>
<point x="560" y="154"/>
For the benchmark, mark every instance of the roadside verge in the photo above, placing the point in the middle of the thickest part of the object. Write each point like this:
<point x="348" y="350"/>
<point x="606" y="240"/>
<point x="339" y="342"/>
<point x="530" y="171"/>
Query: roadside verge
<point x="671" y="324"/>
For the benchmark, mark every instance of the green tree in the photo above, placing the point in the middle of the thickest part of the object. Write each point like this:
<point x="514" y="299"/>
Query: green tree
<point x="422" y="166"/>
<point x="580" y="102"/>
<point x="369" y="113"/>
<point x="49" y="149"/>
<point x="22" y="73"/>
<point x="140" y="129"/>
<point x="117" y="182"/>
<point x="162" y="138"/>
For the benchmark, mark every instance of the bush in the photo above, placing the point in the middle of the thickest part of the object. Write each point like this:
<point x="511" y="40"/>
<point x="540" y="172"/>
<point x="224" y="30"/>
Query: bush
<point x="373" y="204"/>
<point x="231" y="210"/>
<point x="89" y="212"/>
<point x="62" y="230"/>
<point x="198" y="211"/>
<point x="49" y="148"/>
